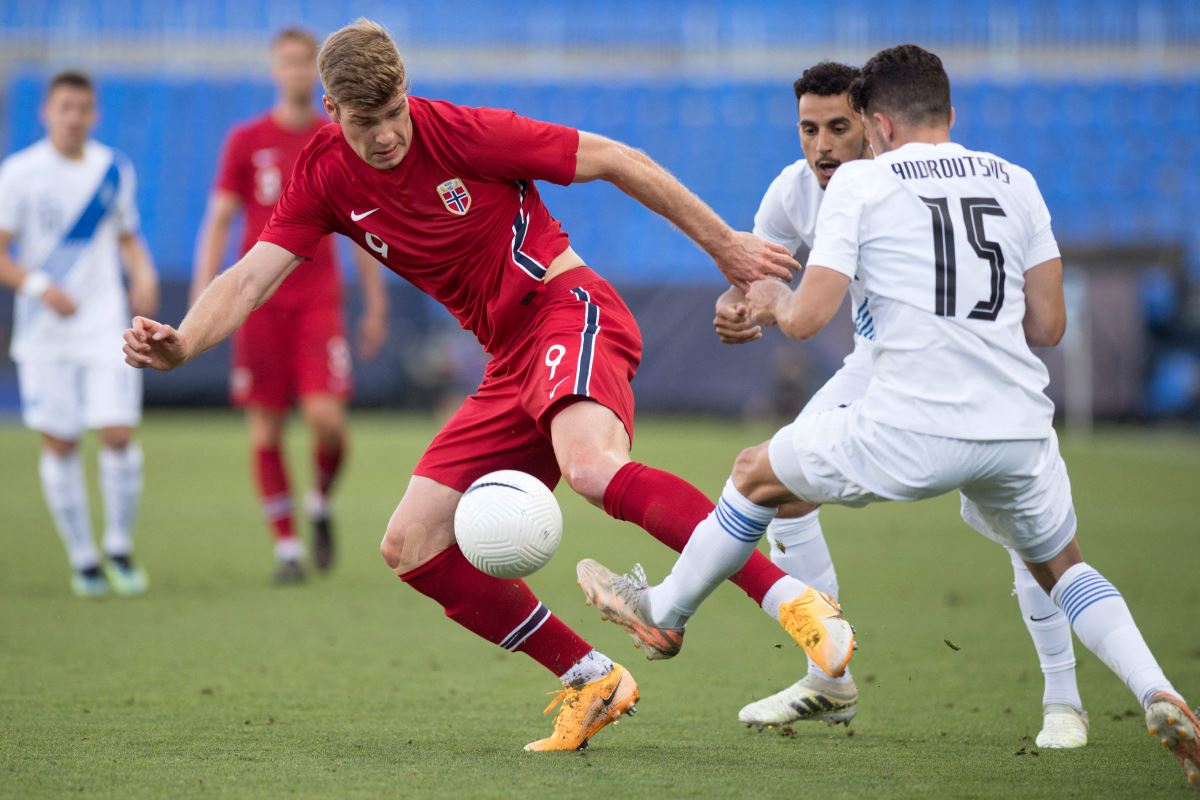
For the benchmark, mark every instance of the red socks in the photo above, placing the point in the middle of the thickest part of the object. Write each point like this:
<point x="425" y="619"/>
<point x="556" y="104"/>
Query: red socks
<point x="503" y="612"/>
<point x="328" y="463"/>
<point x="669" y="509"/>
<point x="273" y="491"/>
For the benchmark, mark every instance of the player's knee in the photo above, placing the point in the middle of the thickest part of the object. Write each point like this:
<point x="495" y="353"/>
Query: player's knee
<point x="408" y="545"/>
<point x="747" y="468"/>
<point x="328" y="430"/>
<point x="589" y="475"/>
<point x="59" y="447"/>
<point x="754" y="478"/>
<point x="116" y="438"/>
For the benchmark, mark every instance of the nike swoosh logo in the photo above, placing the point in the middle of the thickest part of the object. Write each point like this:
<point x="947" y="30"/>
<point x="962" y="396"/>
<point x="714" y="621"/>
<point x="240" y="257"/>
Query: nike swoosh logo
<point x="1042" y="619"/>
<point x="555" y="389"/>
<point x="355" y="217"/>
<point x="608" y="700"/>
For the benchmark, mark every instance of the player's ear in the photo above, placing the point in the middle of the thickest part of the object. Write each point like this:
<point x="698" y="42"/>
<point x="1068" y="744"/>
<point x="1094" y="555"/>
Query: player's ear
<point x="953" y="117"/>
<point x="330" y="108"/>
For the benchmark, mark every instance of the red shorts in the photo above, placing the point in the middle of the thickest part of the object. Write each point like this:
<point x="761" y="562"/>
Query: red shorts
<point x="584" y="344"/>
<point x="282" y="355"/>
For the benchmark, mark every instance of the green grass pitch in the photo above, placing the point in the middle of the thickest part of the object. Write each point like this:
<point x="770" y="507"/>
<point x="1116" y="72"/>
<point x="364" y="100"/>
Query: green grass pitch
<point x="218" y="684"/>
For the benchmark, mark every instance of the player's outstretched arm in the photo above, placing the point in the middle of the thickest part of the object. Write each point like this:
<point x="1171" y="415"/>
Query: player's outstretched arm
<point x="732" y="322"/>
<point x="805" y="312"/>
<point x="223" y="307"/>
<point x="373" y="324"/>
<point x="741" y="257"/>
<point x="212" y="241"/>
<point x="1045" y="308"/>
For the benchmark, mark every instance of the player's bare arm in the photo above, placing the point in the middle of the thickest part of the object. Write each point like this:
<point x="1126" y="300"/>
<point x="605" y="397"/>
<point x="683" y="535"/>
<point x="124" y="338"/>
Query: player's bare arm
<point x="31" y="283"/>
<point x="143" y="278"/>
<point x="373" y="324"/>
<point x="1045" y="308"/>
<point x="223" y="307"/>
<point x="803" y="313"/>
<point x="732" y="321"/>
<point x="741" y="257"/>
<point x="223" y="208"/>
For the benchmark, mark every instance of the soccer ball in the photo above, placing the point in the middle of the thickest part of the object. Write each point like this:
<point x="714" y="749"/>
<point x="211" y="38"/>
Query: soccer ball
<point x="508" y="524"/>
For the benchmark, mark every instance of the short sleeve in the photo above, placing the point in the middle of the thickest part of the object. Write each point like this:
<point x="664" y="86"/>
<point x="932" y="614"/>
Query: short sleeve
<point x="11" y="199"/>
<point x="503" y="145"/>
<point x="234" y="169"/>
<point x="837" y="238"/>
<point x="1042" y="244"/>
<point x="771" y="221"/>
<point x="299" y="221"/>
<point x="128" y="219"/>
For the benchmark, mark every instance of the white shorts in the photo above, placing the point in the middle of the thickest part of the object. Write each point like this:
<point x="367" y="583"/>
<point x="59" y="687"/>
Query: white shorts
<point x="62" y="399"/>
<point x="1015" y="492"/>
<point x="848" y="384"/>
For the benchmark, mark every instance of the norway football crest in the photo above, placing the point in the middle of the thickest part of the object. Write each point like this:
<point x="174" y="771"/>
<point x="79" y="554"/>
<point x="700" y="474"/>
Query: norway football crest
<point x="455" y="196"/>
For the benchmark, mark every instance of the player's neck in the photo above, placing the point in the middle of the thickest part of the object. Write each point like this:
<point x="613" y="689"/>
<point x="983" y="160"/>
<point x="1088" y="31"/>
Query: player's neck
<point x="919" y="135"/>
<point x="295" y="116"/>
<point x="71" y="152"/>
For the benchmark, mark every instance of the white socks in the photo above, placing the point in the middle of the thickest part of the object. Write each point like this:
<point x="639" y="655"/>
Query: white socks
<point x="592" y="667"/>
<point x="718" y="548"/>
<point x="66" y="495"/>
<point x="1051" y="634"/>
<point x="1102" y="621"/>
<point x="121" y="485"/>
<point x="798" y="548"/>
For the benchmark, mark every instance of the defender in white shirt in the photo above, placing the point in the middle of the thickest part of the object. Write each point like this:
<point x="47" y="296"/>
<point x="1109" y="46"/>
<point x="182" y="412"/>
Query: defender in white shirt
<point x="68" y="204"/>
<point x="831" y="134"/>
<point x="957" y="259"/>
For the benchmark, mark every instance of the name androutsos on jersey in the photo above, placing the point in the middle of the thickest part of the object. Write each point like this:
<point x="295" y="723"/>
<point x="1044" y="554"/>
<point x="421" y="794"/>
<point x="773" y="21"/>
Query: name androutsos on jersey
<point x="952" y="167"/>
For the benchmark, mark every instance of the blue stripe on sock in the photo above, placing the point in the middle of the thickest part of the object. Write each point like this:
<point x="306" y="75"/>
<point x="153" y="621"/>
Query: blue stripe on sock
<point x="735" y="529"/>
<point x="1104" y="595"/>
<point x="1082" y="584"/>
<point x="1084" y="597"/>
<point x="753" y="524"/>
<point x="739" y="522"/>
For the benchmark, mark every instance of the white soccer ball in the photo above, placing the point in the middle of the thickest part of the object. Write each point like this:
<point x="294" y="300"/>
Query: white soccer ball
<point x="508" y="524"/>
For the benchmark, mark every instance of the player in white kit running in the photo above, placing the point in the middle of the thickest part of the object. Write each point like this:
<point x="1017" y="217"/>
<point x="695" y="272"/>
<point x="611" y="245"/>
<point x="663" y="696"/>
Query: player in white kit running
<point x="962" y="273"/>
<point x="830" y="135"/>
<point x="68" y="203"/>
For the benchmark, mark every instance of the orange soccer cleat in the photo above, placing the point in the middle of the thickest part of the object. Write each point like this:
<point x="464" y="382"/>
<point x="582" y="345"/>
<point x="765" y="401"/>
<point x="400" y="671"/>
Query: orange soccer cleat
<point x="587" y="709"/>
<point x="815" y="621"/>
<point x="1169" y="720"/>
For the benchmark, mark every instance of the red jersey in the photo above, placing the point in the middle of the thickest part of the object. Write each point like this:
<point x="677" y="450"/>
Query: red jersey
<point x="459" y="216"/>
<point x="256" y="160"/>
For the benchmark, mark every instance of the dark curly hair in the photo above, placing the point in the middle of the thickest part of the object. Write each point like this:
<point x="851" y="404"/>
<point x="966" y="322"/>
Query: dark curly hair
<point x="825" y="79"/>
<point x="907" y="81"/>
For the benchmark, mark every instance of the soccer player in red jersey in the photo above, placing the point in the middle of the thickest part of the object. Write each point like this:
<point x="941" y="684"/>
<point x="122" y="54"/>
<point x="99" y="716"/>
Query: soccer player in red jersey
<point x="293" y="349"/>
<point x="444" y="196"/>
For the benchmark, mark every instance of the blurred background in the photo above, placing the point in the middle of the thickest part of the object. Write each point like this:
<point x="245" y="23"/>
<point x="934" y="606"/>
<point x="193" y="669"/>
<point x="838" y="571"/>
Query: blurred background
<point x="1100" y="99"/>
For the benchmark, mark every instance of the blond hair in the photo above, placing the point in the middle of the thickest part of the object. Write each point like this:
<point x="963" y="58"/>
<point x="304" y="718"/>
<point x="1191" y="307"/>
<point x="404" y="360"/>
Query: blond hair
<point x="360" y="65"/>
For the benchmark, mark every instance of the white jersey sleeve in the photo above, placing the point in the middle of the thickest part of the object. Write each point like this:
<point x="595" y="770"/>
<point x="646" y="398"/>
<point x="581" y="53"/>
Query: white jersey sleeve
<point x="771" y="221"/>
<point x="11" y="198"/>
<point x="126" y="211"/>
<point x="839" y="233"/>
<point x="1042" y="244"/>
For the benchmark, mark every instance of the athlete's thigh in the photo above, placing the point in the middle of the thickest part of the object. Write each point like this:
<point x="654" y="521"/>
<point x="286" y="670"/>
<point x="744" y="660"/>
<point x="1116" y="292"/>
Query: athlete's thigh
<point x="262" y="357"/>
<point x="586" y="345"/>
<point x="112" y="396"/>
<point x="847" y="385"/>
<point x="1023" y="501"/>
<point x="489" y="432"/>
<point x="52" y="397"/>
<point x="320" y="356"/>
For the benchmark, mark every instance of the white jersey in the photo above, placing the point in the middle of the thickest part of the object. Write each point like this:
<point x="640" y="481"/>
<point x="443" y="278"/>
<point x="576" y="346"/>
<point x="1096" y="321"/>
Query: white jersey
<point x="941" y="238"/>
<point x="65" y="216"/>
<point x="787" y="215"/>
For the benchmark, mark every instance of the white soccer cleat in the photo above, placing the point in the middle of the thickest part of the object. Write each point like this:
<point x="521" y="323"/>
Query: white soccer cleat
<point x="810" y="698"/>
<point x="1063" y="727"/>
